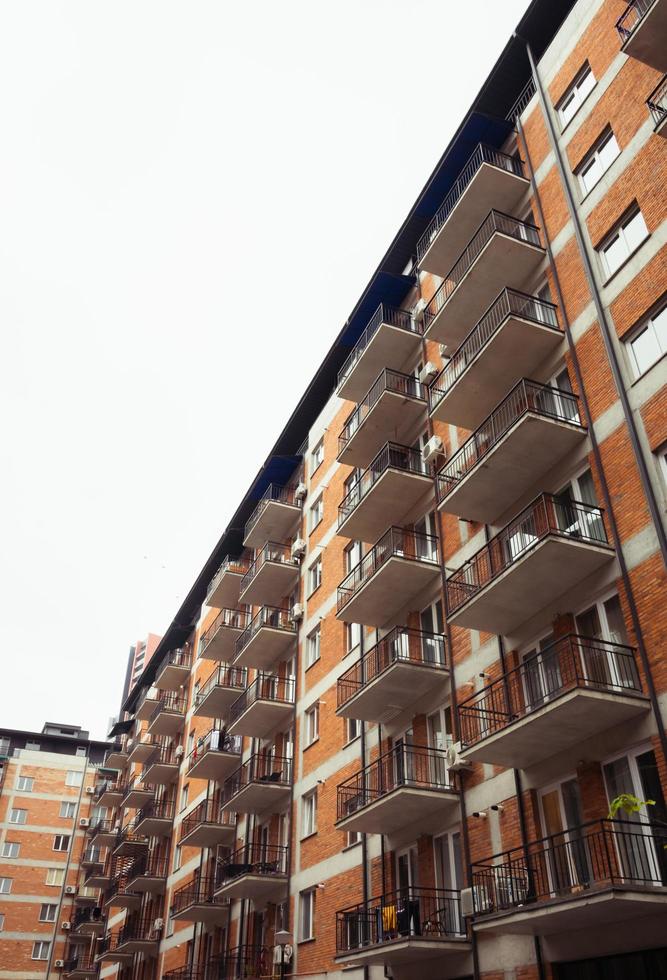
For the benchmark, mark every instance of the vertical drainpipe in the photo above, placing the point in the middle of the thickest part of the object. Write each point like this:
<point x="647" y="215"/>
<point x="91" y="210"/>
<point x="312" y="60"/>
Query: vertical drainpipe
<point x="362" y="745"/>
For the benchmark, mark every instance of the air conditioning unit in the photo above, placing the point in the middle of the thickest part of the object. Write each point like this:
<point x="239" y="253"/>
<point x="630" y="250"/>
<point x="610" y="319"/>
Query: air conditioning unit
<point x="65" y="926"/>
<point x="90" y="790"/>
<point x="428" y="373"/>
<point x="432" y="449"/>
<point x="301" y="491"/>
<point x="179" y="752"/>
<point x="84" y="822"/>
<point x="59" y="964"/>
<point x="455" y="760"/>
<point x="298" y="548"/>
<point x="296" y="612"/>
<point x="70" y="889"/>
<point x="467" y="902"/>
<point x="158" y="925"/>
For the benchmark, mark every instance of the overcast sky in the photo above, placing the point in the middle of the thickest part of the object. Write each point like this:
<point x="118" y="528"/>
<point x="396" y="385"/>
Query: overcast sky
<point x="193" y="196"/>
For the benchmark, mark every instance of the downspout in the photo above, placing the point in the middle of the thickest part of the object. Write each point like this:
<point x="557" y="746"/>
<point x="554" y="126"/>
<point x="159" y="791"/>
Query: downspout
<point x="362" y="745"/>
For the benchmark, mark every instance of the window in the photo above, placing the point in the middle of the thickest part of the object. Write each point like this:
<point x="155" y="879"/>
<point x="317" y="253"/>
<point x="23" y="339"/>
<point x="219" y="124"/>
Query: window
<point x="314" y="576"/>
<point x="309" y="814"/>
<point x="316" y="513"/>
<point x="352" y="637"/>
<point x="306" y="914"/>
<point x="353" y="837"/>
<point x="575" y="95"/>
<point x="352" y="729"/>
<point x="25" y="783"/>
<point x="184" y="796"/>
<point x="32" y="746"/>
<point x="61" y="842"/>
<point x="649" y="344"/>
<point x="598" y="161"/>
<point x="74" y="777"/>
<point x="67" y="809"/>
<point x="81" y="750"/>
<point x="352" y="555"/>
<point x="5" y="886"/>
<point x="40" y="950"/>
<point x="317" y="456"/>
<point x="2" y="922"/>
<point x="312" y="718"/>
<point x="4" y="746"/>
<point x="18" y="816"/>
<point x="313" y="647"/>
<point x="622" y="242"/>
<point x="55" y="876"/>
<point x="10" y="849"/>
<point x="47" y="913"/>
<point x="177" y="857"/>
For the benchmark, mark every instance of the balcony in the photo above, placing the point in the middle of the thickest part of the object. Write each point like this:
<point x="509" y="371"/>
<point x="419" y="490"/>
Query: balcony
<point x="109" y="951"/>
<point x="385" y="493"/>
<point x="391" y="337"/>
<point x="80" y="963"/>
<point x="263" y="784"/>
<point x="504" y="252"/>
<point x="515" y="335"/>
<point x="266" y="704"/>
<point x="391" y="576"/>
<point x="208" y="825"/>
<point x="130" y="843"/>
<point x="603" y="873"/>
<point x="215" y="756"/>
<point x="223" y="589"/>
<point x="162" y="766"/>
<point x="552" y="546"/>
<point x="89" y="921"/>
<point x="657" y="106"/>
<point x="168" y="715"/>
<point x="276" y="517"/>
<point x="147" y="704"/>
<point x="273" y="574"/>
<point x="103" y="833"/>
<point x="175" y="670"/>
<point x="420" y="929"/>
<point x="393" y="675"/>
<point x="394" y="408"/>
<point x="196" y="902"/>
<point x="257" y="871"/>
<point x="139" y="936"/>
<point x="556" y="700"/>
<point x="141" y="748"/>
<point x="96" y="868"/>
<point x="119" y="895"/>
<point x="251" y="962"/>
<point x="86" y="896"/>
<point x="407" y="786"/>
<point x="643" y="29"/>
<point x="116" y="758"/>
<point x="156" y="818"/>
<point x="271" y="633"/>
<point x="108" y="793"/>
<point x="219" y="640"/>
<point x="532" y="428"/>
<point x="137" y="794"/>
<point x="218" y="693"/>
<point x="148" y="874"/>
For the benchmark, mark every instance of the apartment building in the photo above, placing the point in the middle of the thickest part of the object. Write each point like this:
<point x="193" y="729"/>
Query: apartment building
<point x="383" y="734"/>
<point x="138" y="659"/>
<point x="46" y="805"/>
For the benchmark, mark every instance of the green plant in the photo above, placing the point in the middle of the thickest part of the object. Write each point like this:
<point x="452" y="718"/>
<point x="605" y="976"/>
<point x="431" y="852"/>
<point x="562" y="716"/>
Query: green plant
<point x="628" y="803"/>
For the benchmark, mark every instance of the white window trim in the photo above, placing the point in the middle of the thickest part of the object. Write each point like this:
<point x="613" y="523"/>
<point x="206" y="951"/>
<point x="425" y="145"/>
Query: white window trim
<point x="309" y="806"/>
<point x="313" y="640"/>
<point x="316" y="513"/>
<point x="618" y="231"/>
<point x="594" y="155"/>
<point x="573" y="89"/>
<point x="648" y="323"/>
<point x="310" y="892"/>
<point x="313" y="711"/>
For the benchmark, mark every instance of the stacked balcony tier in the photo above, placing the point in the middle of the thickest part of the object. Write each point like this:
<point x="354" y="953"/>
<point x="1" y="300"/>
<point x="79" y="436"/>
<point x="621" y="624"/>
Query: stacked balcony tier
<point x="116" y="757"/>
<point x="80" y="963"/>
<point x="223" y="589"/>
<point x="262" y="784"/>
<point x="256" y="871"/>
<point x="147" y="704"/>
<point x="102" y="833"/>
<point x="137" y="794"/>
<point x="141" y="748"/>
<point x="89" y="921"/>
<point x="196" y="902"/>
<point x="208" y="825"/>
<point x="253" y="962"/>
<point x="174" y="671"/>
<point x="266" y="704"/>
<point x="148" y="874"/>
<point x="272" y="575"/>
<point x="108" y="950"/>
<point x="155" y="818"/>
<point x="161" y="768"/>
<point x="391" y="338"/>
<point x="393" y="407"/>
<point x="657" y="106"/>
<point x="214" y="756"/>
<point x="219" y="691"/>
<point x="268" y="638"/>
<point x="168" y="716"/>
<point x="118" y="894"/>
<point x="129" y="843"/>
<point x="108" y="793"/>
<point x="275" y="518"/>
<point x="643" y="30"/>
<point x="218" y="642"/>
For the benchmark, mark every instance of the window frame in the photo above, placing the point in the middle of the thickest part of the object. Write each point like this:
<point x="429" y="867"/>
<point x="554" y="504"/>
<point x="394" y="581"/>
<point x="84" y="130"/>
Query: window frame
<point x="20" y="784"/>
<point x="6" y="845"/>
<point x="573" y="91"/>
<point x="56" y="873"/>
<point x="313" y="642"/>
<point x="648" y="323"/>
<point x="618" y="233"/>
<point x="314" y="569"/>
<point x="311" y="728"/>
<point x="60" y="838"/>
<point x="74" y="778"/>
<point x="47" y="906"/>
<point x="316" y="513"/>
<point x="8" y="890"/>
<point x="17" y="809"/>
<point x="70" y="807"/>
<point x="317" y="456"/>
<point x="593" y="156"/>
<point x="307" y="900"/>
<point x="43" y="945"/>
<point x="309" y="813"/>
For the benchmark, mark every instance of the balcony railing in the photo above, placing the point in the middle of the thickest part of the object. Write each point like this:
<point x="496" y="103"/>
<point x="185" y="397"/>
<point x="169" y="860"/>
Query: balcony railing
<point x="527" y="397"/>
<point x="103" y="825"/>
<point x="79" y="960"/>
<point x="254" y="859"/>
<point x="265" y="687"/>
<point x="242" y="961"/>
<point x="162" y="755"/>
<point x="546" y="516"/>
<point x="481" y="154"/>
<point x="199" y="891"/>
<point x="526" y="94"/>
<point x="88" y="916"/>
<point x="237" y="566"/>
<point x="149" y="866"/>
<point x="396" y="543"/>
<point x="205" y="813"/>
<point x="495" y="222"/>
<point x="401" y="645"/>
<point x="222" y="676"/>
<point x="275" y="617"/>
<point x="170" y="702"/>
<point x="596" y="855"/>
<point x="237" y="619"/>
<point x="391" y="456"/>
<point x="181" y="657"/>
<point x="511" y="302"/>
<point x="92" y="856"/>
<point x="272" y="552"/>
<point x="156" y="810"/>
<point x="107" y="785"/>
<point x="569" y="663"/>
<point x="657" y="102"/>
<point x="409" y="913"/>
<point x="393" y="381"/>
<point x="281" y="495"/>
<point x="384" y="314"/>
<point x="415" y="766"/>
<point x="259" y="768"/>
<point x="141" y="929"/>
<point x="633" y="15"/>
<point x="214" y="741"/>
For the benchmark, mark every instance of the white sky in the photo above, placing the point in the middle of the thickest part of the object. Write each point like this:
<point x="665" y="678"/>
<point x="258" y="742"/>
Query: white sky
<point x="192" y="198"/>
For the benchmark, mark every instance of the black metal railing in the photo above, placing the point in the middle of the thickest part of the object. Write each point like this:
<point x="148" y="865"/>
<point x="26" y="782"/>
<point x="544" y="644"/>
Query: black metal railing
<point x="657" y="102"/>
<point x="275" y="494"/>
<point x="254" y="859"/>
<point x="392" y="456"/>
<point x="236" y="619"/>
<point x="162" y="755"/>
<point x="390" y="315"/>
<point x="108" y="943"/>
<point x="397" y="542"/>
<point x="631" y="18"/>
<point x="170" y="702"/>
<point x="481" y="154"/>
<point x="129" y="836"/>
<point x="103" y="825"/>
<point x="524" y="97"/>
<point x="215" y="740"/>
<point x="571" y="662"/>
<point x="79" y="959"/>
<point x="509" y="303"/>
<point x="596" y="855"/>
<point x="400" y="646"/>
<point x="547" y="516"/>
<point x="265" y="687"/>
<point x="271" y="553"/>
<point x="410" y="912"/>
<point x="92" y="856"/>
<point x="207" y="811"/>
<point x="119" y="885"/>
<point x="149" y="866"/>
<point x="241" y="961"/>
<point x="525" y="398"/>
<point x="136" y="785"/>
<point x="237" y="566"/>
<point x="180" y="657"/>
<point x="88" y="916"/>
<point x="392" y="381"/>
<point x="275" y="617"/>
<point x="416" y="766"/>
<point x="199" y="891"/>
<point x="259" y="768"/>
<point x="141" y="927"/>
<point x="496" y="222"/>
<point x="107" y="785"/>
<point x="191" y="973"/>
<point x="223" y="676"/>
<point x="156" y="810"/>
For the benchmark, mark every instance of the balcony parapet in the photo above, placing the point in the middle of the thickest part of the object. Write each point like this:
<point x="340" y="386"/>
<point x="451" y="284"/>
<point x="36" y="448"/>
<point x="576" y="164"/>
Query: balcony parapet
<point x="404" y="331"/>
<point x="402" y="390"/>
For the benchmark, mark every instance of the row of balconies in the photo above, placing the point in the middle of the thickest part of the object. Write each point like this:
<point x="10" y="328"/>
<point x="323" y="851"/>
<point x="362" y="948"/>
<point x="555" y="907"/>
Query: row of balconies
<point x="253" y="641"/>
<point x="642" y="29"/>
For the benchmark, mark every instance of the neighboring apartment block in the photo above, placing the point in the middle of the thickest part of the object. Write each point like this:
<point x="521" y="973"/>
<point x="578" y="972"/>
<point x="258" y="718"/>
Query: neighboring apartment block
<point x="138" y="659"/>
<point x="46" y="806"/>
<point x="382" y="736"/>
